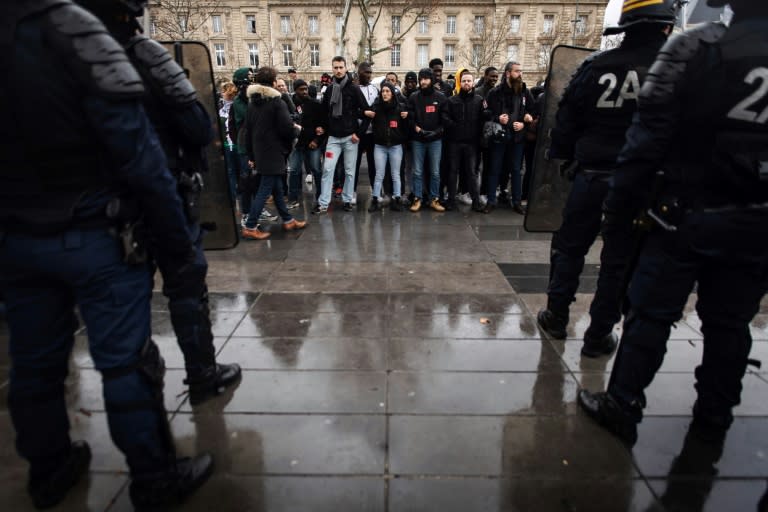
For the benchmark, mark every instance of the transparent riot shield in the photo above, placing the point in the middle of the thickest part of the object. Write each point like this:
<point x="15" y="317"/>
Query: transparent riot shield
<point x="217" y="209"/>
<point x="549" y="190"/>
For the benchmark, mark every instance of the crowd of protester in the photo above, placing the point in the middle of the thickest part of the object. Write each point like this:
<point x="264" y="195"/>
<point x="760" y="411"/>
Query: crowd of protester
<point x="428" y="141"/>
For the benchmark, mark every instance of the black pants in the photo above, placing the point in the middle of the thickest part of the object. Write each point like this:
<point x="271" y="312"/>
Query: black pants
<point x="462" y="160"/>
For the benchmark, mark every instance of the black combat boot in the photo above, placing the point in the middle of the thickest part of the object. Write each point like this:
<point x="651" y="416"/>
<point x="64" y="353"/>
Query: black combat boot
<point x="157" y="491"/>
<point x="212" y="381"/>
<point x="600" y="345"/>
<point x="374" y="207"/>
<point x="552" y="323"/>
<point x="708" y="425"/>
<point x="49" y="492"/>
<point x="616" y="418"/>
<point x="396" y="204"/>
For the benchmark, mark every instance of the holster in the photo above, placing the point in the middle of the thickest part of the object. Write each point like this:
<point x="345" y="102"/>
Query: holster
<point x="129" y="229"/>
<point x="190" y="187"/>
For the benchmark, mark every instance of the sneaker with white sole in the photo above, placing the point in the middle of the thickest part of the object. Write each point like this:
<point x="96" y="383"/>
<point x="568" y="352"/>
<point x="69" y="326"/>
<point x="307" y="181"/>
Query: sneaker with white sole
<point x="292" y="205"/>
<point x="464" y="198"/>
<point x="483" y="200"/>
<point x="266" y="216"/>
<point x="354" y="199"/>
<point x="243" y="220"/>
<point x="308" y="179"/>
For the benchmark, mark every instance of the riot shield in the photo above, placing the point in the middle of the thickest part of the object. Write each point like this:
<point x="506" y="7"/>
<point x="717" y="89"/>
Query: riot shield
<point x="217" y="210"/>
<point x="548" y="189"/>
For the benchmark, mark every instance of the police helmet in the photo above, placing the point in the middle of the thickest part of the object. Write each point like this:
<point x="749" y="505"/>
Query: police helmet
<point x="634" y="12"/>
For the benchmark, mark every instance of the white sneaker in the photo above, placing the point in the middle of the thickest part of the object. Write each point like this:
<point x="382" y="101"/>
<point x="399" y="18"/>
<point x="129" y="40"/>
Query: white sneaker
<point x="308" y="179"/>
<point x="266" y="216"/>
<point x="244" y="220"/>
<point x="464" y="198"/>
<point x="354" y="199"/>
<point x="483" y="200"/>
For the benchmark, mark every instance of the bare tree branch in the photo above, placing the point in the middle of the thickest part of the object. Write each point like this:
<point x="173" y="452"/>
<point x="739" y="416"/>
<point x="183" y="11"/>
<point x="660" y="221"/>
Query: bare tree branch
<point x="181" y="19"/>
<point x="485" y="46"/>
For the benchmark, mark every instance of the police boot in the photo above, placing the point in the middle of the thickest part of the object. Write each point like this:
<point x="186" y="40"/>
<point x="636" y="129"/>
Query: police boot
<point x="620" y="420"/>
<point x="48" y="492"/>
<point x="596" y="346"/>
<point x="708" y="425"/>
<point x="154" y="492"/>
<point x="212" y="381"/>
<point x="553" y="323"/>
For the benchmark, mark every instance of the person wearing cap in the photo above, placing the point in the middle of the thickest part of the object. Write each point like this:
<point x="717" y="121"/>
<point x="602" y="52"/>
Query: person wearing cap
<point x="595" y="111"/>
<point x="308" y="146"/>
<point x="410" y="84"/>
<point x="424" y="109"/>
<point x="702" y="119"/>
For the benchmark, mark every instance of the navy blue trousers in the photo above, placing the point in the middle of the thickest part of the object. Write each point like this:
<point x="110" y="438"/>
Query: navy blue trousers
<point x="43" y="279"/>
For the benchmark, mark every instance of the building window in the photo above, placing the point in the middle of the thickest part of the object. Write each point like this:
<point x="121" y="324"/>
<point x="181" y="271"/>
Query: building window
<point x="216" y="21"/>
<point x="450" y="55"/>
<point x="514" y="24"/>
<point x="339" y="23"/>
<point x="285" y="24"/>
<point x="422" y="55"/>
<point x="394" y="56"/>
<point x="183" y="23"/>
<point x="479" y="24"/>
<point x="287" y="55"/>
<point x="313" y="25"/>
<point x="250" y="24"/>
<point x="581" y="24"/>
<point x="545" y="51"/>
<point x="477" y="51"/>
<point x="422" y="21"/>
<point x="549" y="24"/>
<point x="396" y="24"/>
<point x="314" y="54"/>
<point x="221" y="59"/>
<point x="450" y="24"/>
<point x="152" y="27"/>
<point x="253" y="54"/>
<point x="512" y="52"/>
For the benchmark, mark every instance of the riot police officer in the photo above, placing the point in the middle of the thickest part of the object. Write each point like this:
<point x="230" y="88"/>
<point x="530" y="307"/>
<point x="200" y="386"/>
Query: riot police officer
<point x="703" y="119"/>
<point x="595" y="111"/>
<point x="184" y="130"/>
<point x="66" y="155"/>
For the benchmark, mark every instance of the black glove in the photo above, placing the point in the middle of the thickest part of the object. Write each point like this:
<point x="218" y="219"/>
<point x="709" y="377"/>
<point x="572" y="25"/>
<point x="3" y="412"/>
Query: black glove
<point x="426" y="134"/>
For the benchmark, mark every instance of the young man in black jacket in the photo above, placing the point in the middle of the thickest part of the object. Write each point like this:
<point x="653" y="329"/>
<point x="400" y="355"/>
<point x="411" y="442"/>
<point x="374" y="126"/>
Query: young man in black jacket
<point x="307" y="150"/>
<point x="343" y="104"/>
<point x="424" y="107"/>
<point x="463" y="117"/>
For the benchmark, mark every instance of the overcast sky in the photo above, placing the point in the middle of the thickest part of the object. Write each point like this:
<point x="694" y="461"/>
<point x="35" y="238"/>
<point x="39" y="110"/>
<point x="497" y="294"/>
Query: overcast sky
<point x="613" y="11"/>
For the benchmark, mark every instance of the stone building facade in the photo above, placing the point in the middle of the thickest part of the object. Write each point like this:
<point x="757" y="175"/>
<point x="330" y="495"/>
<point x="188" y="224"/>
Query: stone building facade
<point x="404" y="34"/>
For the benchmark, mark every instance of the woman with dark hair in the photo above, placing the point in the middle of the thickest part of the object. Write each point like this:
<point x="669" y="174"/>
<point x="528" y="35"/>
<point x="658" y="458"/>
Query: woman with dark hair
<point x="268" y="139"/>
<point x="389" y="134"/>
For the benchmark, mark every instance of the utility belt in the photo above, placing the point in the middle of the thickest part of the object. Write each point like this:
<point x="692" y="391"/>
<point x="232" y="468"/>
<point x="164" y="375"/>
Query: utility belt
<point x="668" y="213"/>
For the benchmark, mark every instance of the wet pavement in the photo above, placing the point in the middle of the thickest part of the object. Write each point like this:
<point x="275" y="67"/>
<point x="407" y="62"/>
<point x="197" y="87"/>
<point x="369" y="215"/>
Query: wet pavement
<point x="392" y="363"/>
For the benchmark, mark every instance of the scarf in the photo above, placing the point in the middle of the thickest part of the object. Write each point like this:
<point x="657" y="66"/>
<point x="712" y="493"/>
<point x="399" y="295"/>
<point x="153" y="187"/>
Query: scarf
<point x="336" y="101"/>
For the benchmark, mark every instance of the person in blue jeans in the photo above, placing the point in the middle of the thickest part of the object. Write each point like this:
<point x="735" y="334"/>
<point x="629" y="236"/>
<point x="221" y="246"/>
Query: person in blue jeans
<point x="509" y="104"/>
<point x="389" y="134"/>
<point x="307" y="150"/>
<point x="424" y="110"/>
<point x="269" y="134"/>
<point x="58" y="250"/>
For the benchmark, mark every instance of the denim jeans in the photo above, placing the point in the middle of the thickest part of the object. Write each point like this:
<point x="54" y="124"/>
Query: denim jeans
<point x="421" y="150"/>
<point x="506" y="158"/>
<point x="268" y="185"/>
<point x="333" y="149"/>
<point x="232" y="159"/>
<point x="382" y="154"/>
<point x="246" y="196"/>
<point x="310" y="160"/>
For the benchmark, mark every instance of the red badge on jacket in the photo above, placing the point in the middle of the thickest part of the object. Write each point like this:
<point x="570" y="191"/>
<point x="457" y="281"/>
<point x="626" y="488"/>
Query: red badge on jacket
<point x="393" y="124"/>
<point x="430" y="109"/>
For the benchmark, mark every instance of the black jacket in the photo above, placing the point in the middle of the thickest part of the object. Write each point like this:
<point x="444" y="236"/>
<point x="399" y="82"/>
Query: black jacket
<point x="311" y="117"/>
<point x="352" y="119"/>
<point x="463" y="117"/>
<point x="269" y="130"/>
<point x="503" y="100"/>
<point x="389" y="129"/>
<point x="424" y="111"/>
<point x="598" y="104"/>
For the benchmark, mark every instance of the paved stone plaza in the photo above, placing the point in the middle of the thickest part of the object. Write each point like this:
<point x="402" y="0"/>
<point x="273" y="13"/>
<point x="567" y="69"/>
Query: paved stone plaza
<point x="392" y="363"/>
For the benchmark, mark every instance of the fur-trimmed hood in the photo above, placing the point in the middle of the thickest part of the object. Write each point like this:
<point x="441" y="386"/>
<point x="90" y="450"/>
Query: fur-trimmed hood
<point x="263" y="91"/>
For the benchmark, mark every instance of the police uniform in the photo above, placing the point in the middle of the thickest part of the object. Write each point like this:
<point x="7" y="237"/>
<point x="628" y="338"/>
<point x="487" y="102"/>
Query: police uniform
<point x="67" y="152"/>
<point x="702" y="119"/>
<point x="594" y="113"/>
